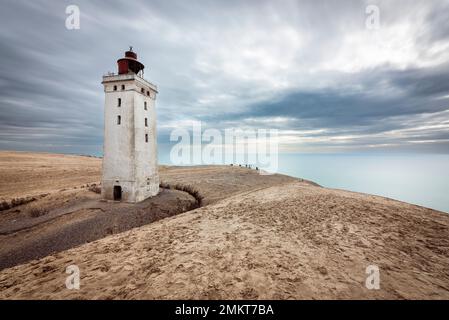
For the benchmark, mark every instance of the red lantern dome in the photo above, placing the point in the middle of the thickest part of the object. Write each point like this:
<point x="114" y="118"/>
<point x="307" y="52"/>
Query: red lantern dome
<point x="129" y="63"/>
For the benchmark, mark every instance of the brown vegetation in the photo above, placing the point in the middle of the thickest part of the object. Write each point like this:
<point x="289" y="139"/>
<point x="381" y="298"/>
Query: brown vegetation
<point x="185" y="188"/>
<point x="94" y="188"/>
<point x="36" y="211"/>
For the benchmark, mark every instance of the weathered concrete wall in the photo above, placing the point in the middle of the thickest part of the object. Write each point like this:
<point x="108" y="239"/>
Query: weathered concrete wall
<point x="129" y="161"/>
<point x="147" y="178"/>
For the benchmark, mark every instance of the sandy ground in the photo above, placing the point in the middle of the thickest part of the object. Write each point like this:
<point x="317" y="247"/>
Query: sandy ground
<point x="75" y="215"/>
<point x="219" y="182"/>
<point x="28" y="174"/>
<point x="65" y="212"/>
<point x="286" y="239"/>
<point x="81" y="217"/>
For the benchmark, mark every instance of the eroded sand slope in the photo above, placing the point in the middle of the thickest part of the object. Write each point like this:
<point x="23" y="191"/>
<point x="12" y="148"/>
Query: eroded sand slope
<point x="291" y="241"/>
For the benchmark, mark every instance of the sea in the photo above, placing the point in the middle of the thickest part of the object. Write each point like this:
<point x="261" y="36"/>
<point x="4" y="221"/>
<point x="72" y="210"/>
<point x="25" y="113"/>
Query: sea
<point x="421" y="179"/>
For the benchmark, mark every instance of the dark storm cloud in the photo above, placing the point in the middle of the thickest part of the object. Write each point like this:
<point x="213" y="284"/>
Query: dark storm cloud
<point x="424" y="82"/>
<point x="308" y="68"/>
<point x="416" y="91"/>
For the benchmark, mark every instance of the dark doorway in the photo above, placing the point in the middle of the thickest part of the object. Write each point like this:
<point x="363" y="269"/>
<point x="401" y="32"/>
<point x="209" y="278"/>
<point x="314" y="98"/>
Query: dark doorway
<point x="117" y="193"/>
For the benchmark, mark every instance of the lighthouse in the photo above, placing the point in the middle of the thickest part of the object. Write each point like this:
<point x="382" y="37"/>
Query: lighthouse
<point x="130" y="171"/>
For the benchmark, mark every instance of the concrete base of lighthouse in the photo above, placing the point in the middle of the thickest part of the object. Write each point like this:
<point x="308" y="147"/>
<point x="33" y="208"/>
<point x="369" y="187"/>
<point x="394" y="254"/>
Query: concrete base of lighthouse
<point x="128" y="191"/>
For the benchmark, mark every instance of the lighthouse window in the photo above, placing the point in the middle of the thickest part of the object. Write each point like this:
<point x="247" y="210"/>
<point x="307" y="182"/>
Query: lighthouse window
<point x="145" y="105"/>
<point x="119" y="102"/>
<point x="119" y="119"/>
<point x="115" y="88"/>
<point x="146" y="122"/>
<point x="142" y="90"/>
<point x="146" y="137"/>
<point x="123" y="87"/>
<point x="148" y="93"/>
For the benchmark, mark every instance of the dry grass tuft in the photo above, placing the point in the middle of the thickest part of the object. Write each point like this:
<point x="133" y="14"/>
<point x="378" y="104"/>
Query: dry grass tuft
<point x="35" y="211"/>
<point x="94" y="188"/>
<point x="5" y="205"/>
<point x="185" y="188"/>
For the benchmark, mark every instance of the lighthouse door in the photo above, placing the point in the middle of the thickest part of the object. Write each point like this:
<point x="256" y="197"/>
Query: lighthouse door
<point x="117" y="193"/>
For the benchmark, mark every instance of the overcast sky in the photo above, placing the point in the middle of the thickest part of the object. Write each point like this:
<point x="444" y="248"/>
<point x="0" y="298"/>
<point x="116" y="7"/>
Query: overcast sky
<point x="311" y="69"/>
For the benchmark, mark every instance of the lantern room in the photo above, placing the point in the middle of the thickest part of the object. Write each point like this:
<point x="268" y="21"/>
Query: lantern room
<point x="130" y="63"/>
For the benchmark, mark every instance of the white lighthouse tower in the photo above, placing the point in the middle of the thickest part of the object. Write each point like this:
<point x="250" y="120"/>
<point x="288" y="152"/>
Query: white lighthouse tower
<point x="130" y="171"/>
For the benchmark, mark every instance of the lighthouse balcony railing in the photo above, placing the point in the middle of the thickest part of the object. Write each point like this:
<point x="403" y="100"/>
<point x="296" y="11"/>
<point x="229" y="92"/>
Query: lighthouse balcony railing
<point x="139" y="75"/>
<point x="113" y="74"/>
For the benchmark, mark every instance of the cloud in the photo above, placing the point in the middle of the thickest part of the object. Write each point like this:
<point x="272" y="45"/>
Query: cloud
<point x="309" y="68"/>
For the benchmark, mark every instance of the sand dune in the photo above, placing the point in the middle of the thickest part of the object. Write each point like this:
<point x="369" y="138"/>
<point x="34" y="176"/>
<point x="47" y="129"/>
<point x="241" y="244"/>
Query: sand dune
<point x="287" y="240"/>
<point x="28" y="173"/>
<point x="61" y="219"/>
